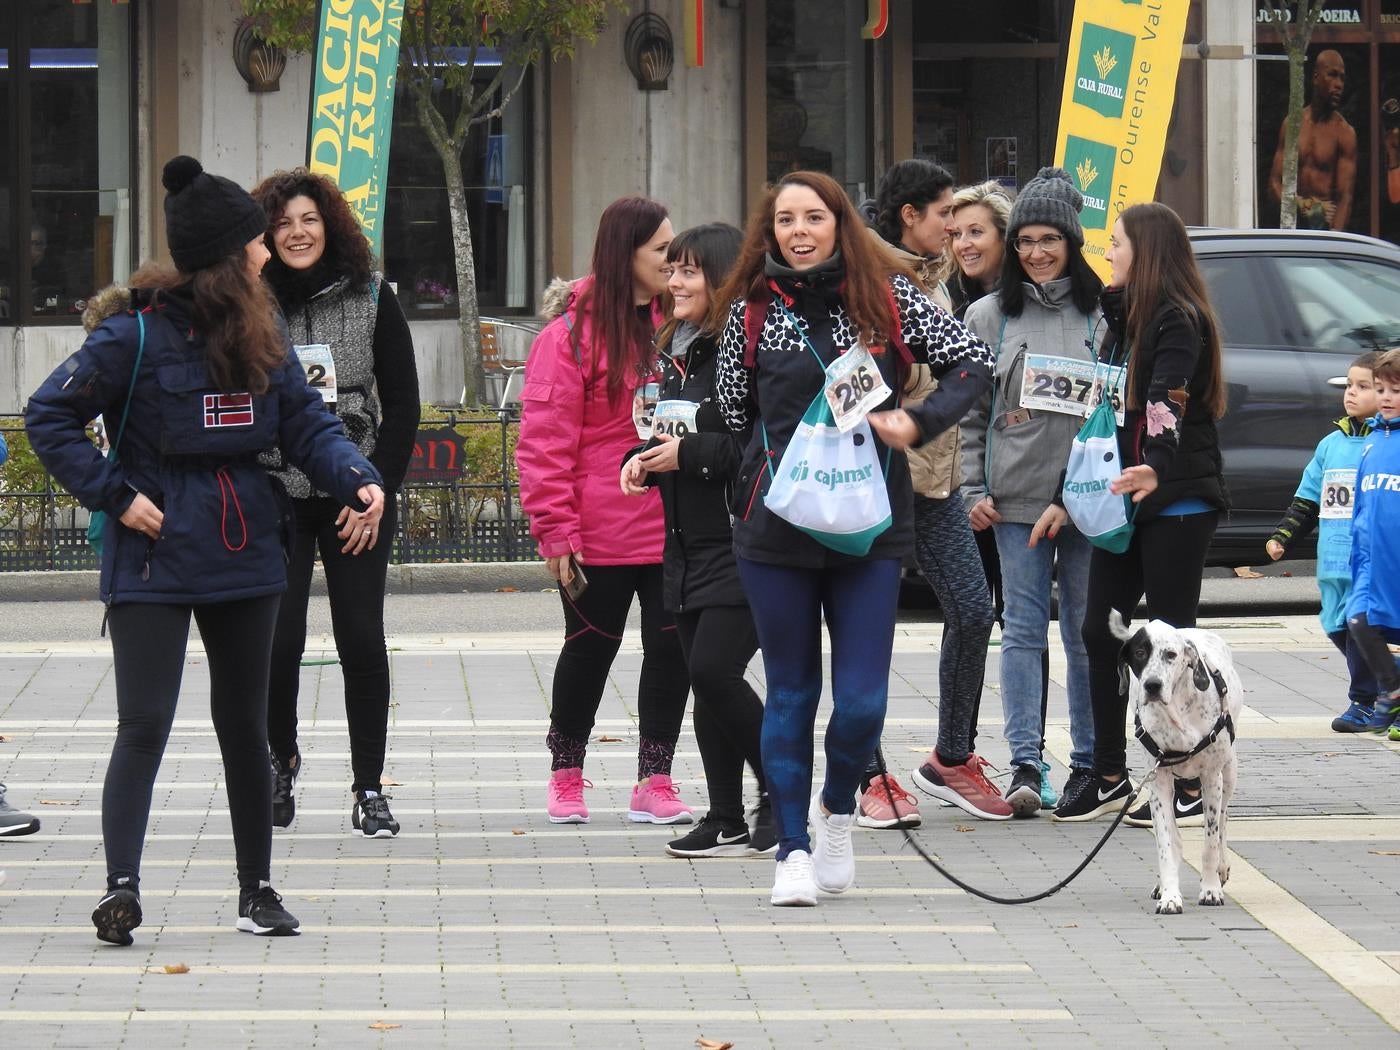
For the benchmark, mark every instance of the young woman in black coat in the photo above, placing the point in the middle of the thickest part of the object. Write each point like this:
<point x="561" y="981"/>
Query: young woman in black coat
<point x="693" y="458"/>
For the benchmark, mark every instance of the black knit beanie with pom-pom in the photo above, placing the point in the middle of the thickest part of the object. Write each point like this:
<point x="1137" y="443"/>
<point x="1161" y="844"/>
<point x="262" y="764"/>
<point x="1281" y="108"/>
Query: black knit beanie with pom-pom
<point x="207" y="217"/>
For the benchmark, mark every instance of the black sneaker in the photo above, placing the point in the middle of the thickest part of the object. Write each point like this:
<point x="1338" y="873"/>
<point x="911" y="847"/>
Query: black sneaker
<point x="1091" y="796"/>
<point x="711" y="838"/>
<point x="284" y="788"/>
<point x="260" y="912"/>
<point x="116" y="915"/>
<point x="1024" y="794"/>
<point x="371" y="817"/>
<point x="764" y="836"/>
<point x="13" y="822"/>
<point x="1190" y="811"/>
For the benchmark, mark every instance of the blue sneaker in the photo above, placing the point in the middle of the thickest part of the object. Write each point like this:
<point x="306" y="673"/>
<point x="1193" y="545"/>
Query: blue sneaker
<point x="1049" y="797"/>
<point x="1354" y="719"/>
<point x="1385" y="714"/>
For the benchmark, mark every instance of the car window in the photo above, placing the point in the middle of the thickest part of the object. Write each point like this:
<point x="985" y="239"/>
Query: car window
<point x="1345" y="305"/>
<point x="1239" y="293"/>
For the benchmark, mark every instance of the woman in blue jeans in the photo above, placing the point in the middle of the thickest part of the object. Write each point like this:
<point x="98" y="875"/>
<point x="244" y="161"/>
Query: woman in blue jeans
<point x="811" y="286"/>
<point x="1041" y="323"/>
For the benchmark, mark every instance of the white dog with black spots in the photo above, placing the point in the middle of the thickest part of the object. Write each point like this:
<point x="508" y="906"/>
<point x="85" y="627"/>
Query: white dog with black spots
<point x="1183" y="686"/>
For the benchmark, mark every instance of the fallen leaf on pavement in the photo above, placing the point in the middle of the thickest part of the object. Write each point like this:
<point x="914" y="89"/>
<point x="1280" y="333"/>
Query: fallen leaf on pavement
<point x="516" y="831"/>
<point x="610" y="740"/>
<point x="1384" y="852"/>
<point x="1070" y="926"/>
<point x="390" y="783"/>
<point x="176" y="968"/>
<point x="961" y="827"/>
<point x="507" y="590"/>
<point x="3" y="739"/>
<point x="1289" y="574"/>
<point x="1330" y="754"/>
<point x="380" y="1026"/>
<point x="1244" y="572"/>
<point x="57" y="802"/>
<point x="712" y="1044"/>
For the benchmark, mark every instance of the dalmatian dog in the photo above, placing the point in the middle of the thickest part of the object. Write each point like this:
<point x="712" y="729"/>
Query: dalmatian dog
<point x="1186" y="700"/>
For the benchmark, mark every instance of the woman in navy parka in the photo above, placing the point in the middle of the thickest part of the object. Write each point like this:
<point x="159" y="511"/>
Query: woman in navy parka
<point x="195" y="525"/>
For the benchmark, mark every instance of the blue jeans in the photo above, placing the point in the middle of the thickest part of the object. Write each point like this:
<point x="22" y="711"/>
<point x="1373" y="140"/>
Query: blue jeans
<point x="859" y="601"/>
<point x="1026" y="582"/>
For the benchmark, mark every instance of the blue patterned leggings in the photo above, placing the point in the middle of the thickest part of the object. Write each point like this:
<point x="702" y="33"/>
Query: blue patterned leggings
<point x="859" y="601"/>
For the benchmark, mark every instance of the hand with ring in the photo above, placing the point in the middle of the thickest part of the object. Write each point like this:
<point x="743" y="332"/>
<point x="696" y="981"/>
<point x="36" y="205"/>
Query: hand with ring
<point x="359" y="529"/>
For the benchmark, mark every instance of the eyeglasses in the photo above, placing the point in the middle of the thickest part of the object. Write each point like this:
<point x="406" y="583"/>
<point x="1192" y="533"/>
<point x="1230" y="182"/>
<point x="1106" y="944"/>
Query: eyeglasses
<point x="1049" y="243"/>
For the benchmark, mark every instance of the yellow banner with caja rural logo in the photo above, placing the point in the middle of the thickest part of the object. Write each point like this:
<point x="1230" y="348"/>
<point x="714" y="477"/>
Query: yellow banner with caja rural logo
<point x="1120" y="82"/>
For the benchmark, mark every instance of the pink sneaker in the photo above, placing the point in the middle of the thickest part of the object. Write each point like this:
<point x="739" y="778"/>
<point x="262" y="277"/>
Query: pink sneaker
<point x="875" y="811"/>
<point x="656" y="801"/>
<point x="566" y="804"/>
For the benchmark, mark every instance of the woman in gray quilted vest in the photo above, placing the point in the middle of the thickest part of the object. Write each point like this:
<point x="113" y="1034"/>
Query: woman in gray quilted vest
<point x="351" y="337"/>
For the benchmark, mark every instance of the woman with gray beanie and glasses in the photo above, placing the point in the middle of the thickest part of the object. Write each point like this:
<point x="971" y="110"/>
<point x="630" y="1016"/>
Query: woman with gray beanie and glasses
<point x="1041" y="324"/>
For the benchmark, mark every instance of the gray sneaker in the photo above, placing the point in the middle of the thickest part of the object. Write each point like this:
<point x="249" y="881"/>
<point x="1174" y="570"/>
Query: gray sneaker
<point x="14" y="822"/>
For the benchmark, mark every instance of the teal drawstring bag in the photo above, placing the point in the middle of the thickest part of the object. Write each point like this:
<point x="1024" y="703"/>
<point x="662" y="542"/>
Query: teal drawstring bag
<point x="1103" y="517"/>
<point x="829" y="484"/>
<point x="97" y="521"/>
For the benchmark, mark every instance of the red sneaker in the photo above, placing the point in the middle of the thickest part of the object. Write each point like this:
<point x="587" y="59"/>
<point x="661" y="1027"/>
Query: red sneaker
<point x="964" y="785"/>
<point x="875" y="810"/>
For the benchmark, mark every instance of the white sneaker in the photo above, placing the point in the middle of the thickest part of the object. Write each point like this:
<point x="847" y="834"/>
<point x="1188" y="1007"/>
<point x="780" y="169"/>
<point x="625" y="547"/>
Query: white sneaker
<point x="793" y="886"/>
<point x="833" y="862"/>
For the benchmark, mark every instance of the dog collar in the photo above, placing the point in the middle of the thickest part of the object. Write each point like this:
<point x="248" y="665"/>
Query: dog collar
<point x="1223" y="724"/>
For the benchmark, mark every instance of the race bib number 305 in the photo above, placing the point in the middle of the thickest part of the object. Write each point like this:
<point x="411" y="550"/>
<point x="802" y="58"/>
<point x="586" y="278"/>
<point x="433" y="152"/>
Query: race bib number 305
<point x="854" y="386"/>
<point x="1338" y="493"/>
<point x="316" y="359"/>
<point x="643" y="406"/>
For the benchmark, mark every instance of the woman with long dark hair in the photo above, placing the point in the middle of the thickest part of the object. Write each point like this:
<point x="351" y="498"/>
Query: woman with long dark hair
<point x="195" y="369"/>
<point x="590" y="388"/>
<point x="810" y="287"/>
<point x="1041" y="323"/>
<point x="912" y="206"/>
<point x="351" y="337"/>
<point x="1163" y="328"/>
<point x="692" y="459"/>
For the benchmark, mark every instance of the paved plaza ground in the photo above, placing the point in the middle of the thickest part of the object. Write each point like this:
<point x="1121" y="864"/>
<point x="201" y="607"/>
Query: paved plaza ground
<point x="482" y="925"/>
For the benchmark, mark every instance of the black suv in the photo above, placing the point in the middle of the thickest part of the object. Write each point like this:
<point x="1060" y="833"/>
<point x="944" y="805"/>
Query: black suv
<point x="1296" y="307"/>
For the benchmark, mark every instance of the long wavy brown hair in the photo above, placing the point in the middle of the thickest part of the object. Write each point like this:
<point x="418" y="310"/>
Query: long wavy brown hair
<point x="347" y="251"/>
<point x="1164" y="271"/>
<point x="235" y="314"/>
<point x="865" y="291"/>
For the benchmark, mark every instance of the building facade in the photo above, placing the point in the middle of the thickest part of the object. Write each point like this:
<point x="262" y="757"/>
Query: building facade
<point x="96" y="95"/>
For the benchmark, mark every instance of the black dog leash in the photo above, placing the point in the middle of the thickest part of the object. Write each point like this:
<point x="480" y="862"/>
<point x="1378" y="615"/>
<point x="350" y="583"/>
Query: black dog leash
<point x="1118" y="819"/>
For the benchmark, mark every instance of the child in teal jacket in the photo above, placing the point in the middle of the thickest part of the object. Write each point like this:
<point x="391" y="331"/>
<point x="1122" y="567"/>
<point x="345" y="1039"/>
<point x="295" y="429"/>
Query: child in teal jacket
<point x="1325" y="500"/>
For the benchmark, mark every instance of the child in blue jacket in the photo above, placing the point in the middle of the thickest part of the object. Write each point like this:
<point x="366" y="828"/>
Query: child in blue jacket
<point x="1325" y="499"/>
<point x="1373" y="613"/>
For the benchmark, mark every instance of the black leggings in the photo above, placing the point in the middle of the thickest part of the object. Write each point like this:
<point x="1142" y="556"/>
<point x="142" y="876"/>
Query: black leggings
<point x="148" y="648"/>
<point x="1164" y="561"/>
<point x="355" y="583"/>
<point x="593" y="628"/>
<point x="718" y="643"/>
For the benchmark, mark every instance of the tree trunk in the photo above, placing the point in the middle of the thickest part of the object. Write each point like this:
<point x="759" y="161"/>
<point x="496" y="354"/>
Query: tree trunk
<point x="468" y="307"/>
<point x="1288" y="205"/>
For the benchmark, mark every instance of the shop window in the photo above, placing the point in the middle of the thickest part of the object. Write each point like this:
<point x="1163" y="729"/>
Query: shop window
<point x="418" y="255"/>
<point x="818" y="92"/>
<point x="66" y="92"/>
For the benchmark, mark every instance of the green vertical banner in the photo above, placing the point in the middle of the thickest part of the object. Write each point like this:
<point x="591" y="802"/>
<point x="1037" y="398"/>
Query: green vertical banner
<point x="352" y="103"/>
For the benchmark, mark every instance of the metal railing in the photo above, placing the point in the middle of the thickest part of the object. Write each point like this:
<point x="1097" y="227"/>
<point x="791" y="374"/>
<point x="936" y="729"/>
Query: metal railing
<point x="474" y="517"/>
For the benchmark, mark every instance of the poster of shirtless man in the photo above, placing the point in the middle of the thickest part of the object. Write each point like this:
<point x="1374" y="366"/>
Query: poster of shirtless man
<point x="1326" y="151"/>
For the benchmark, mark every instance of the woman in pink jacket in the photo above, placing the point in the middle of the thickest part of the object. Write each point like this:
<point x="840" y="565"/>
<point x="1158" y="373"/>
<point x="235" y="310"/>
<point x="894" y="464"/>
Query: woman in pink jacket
<point x="590" y="385"/>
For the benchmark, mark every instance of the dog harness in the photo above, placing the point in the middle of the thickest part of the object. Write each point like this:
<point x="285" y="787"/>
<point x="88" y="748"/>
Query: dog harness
<point x="1203" y="676"/>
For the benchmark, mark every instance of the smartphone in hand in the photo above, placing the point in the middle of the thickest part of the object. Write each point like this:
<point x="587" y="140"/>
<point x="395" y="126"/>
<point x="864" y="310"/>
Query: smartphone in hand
<point x="578" y="582"/>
